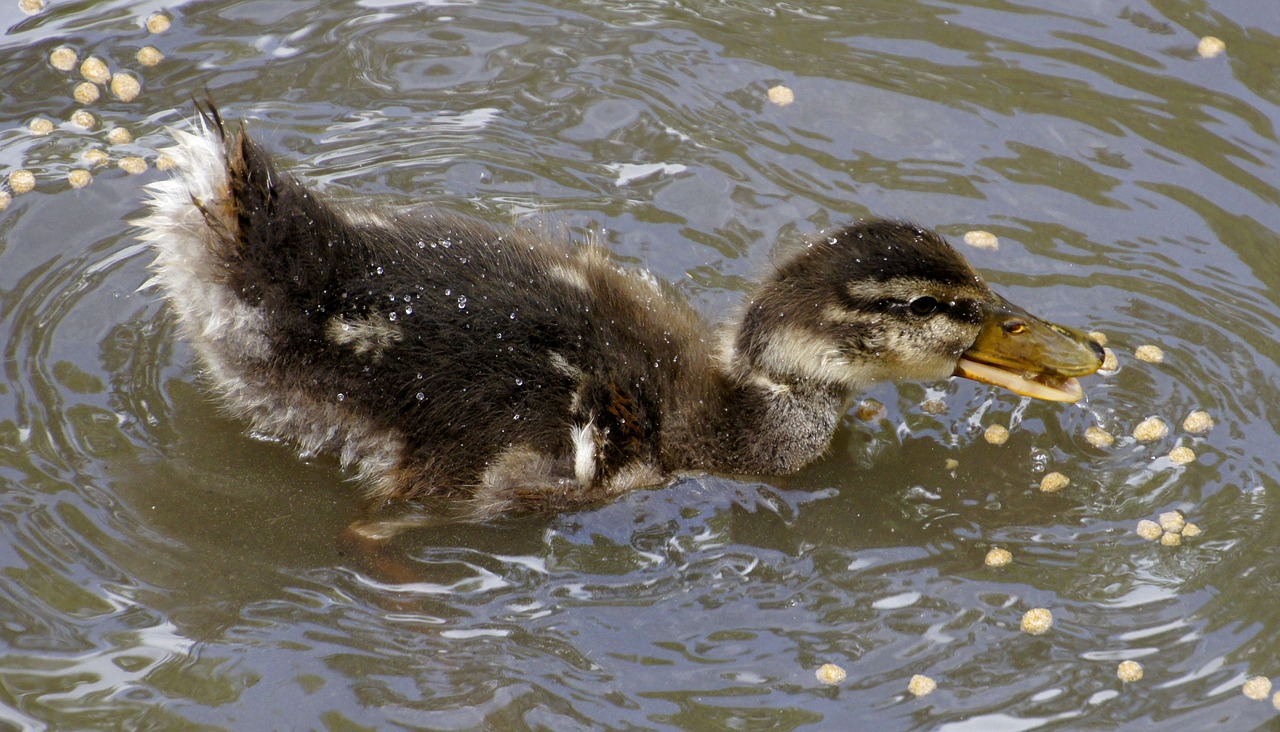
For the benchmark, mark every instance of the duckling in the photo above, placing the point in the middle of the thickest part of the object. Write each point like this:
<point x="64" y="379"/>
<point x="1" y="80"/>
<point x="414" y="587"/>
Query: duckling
<point x="445" y="360"/>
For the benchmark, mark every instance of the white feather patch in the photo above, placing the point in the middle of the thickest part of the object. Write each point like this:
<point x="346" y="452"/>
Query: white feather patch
<point x="584" y="452"/>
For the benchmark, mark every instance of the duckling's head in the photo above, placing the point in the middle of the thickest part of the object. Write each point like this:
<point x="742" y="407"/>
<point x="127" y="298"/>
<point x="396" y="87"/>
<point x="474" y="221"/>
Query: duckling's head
<point x="888" y="301"/>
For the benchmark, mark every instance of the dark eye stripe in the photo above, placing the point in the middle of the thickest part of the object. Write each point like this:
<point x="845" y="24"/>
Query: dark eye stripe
<point x="962" y="310"/>
<point x="966" y="311"/>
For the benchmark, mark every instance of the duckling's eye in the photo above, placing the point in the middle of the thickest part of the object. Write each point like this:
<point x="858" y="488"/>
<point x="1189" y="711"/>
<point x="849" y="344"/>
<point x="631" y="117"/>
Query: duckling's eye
<point x="924" y="305"/>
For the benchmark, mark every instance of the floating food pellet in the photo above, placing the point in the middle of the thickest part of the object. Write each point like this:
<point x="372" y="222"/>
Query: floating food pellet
<point x="21" y="180"/>
<point x="829" y="673"/>
<point x="998" y="558"/>
<point x="1149" y="353"/>
<point x="1037" y="621"/>
<point x="933" y="406"/>
<point x="1054" y="482"/>
<point x="164" y="162"/>
<point x="86" y="92"/>
<point x="31" y="7"/>
<point x="1210" y="46"/>
<point x="1149" y="530"/>
<point x="1150" y="430"/>
<point x="133" y="165"/>
<point x="1109" y="360"/>
<point x="158" y="23"/>
<point x="1182" y="455"/>
<point x="125" y="86"/>
<point x="996" y="434"/>
<point x="1190" y="531"/>
<point x="84" y="118"/>
<point x="1098" y="437"/>
<point x="95" y="69"/>
<point x="1171" y="538"/>
<point x="919" y="685"/>
<point x="870" y="410"/>
<point x="119" y="136"/>
<point x="1275" y="700"/>
<point x="40" y="126"/>
<point x="79" y="178"/>
<point x="1172" y="521"/>
<point x="5" y="200"/>
<point x="1258" y="687"/>
<point x="781" y="95"/>
<point x="1129" y="671"/>
<point x="63" y="58"/>
<point x="1198" y="422"/>
<point x="95" y="156"/>
<point x="1098" y="337"/>
<point x="952" y="463"/>
<point x="149" y="56"/>
<point x="979" y="239"/>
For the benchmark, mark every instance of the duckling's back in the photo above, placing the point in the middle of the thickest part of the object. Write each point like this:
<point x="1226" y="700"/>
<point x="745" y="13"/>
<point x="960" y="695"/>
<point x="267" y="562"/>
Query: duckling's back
<point x="435" y="354"/>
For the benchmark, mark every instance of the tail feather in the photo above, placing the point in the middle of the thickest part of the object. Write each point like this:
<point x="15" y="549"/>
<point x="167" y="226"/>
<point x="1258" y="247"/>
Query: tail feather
<point x="241" y="253"/>
<point x="193" y="229"/>
<point x="197" y="203"/>
<point x="231" y="233"/>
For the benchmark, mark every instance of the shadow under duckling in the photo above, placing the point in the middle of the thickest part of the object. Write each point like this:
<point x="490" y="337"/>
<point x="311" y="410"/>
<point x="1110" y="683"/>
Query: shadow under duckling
<point x="487" y="370"/>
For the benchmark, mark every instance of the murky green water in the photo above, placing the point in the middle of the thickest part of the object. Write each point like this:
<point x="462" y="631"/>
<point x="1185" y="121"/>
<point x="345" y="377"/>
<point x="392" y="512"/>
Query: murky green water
<point x="162" y="568"/>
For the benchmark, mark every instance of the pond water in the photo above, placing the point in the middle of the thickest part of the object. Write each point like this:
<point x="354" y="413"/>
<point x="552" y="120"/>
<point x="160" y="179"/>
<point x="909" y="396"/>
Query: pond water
<point x="162" y="567"/>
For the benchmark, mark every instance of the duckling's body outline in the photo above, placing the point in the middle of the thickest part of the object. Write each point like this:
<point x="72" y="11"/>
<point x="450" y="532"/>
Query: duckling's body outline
<point x="440" y="356"/>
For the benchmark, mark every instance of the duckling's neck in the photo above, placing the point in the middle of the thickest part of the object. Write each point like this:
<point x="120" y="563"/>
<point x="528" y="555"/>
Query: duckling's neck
<point x="752" y="424"/>
<point x="770" y="427"/>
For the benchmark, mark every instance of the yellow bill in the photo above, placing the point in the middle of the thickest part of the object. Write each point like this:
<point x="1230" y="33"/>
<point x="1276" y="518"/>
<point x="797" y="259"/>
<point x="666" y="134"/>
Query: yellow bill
<point x="1029" y="356"/>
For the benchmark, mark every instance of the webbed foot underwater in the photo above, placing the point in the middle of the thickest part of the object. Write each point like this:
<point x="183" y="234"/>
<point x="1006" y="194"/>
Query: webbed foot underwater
<point x="445" y="359"/>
